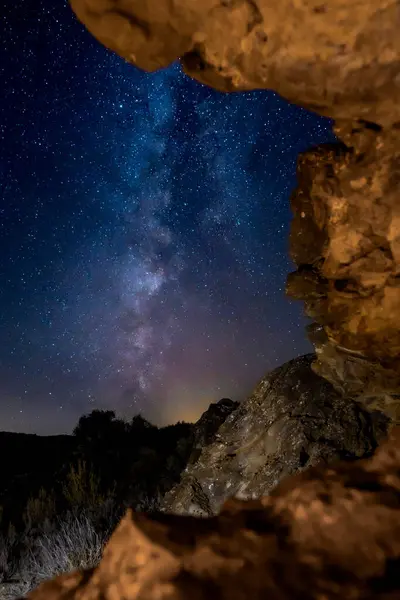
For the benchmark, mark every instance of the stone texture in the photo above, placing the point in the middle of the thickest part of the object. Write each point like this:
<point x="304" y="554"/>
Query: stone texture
<point x="339" y="58"/>
<point x="205" y="429"/>
<point x="293" y="420"/>
<point x="326" y="534"/>
<point x="345" y="239"/>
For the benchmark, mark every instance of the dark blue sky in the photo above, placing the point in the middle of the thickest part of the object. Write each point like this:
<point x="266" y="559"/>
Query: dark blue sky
<point x="144" y="231"/>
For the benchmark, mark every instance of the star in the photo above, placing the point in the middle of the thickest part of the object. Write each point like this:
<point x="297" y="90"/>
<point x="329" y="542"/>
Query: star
<point x="143" y="231"/>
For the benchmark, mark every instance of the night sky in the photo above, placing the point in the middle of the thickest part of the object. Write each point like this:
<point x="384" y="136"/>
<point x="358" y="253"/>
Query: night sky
<point x="144" y="224"/>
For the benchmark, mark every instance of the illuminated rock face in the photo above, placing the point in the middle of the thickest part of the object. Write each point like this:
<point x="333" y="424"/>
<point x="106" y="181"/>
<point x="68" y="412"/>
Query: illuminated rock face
<point x="345" y="239"/>
<point x="293" y="420"/>
<point x="336" y="57"/>
<point x="327" y="533"/>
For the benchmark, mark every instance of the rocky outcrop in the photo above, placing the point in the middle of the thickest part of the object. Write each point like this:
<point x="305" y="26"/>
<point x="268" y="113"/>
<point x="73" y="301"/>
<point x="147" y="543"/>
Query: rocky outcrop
<point x="345" y="239"/>
<point x="328" y="533"/>
<point x="293" y="420"/>
<point x="338" y="58"/>
<point x="205" y="429"/>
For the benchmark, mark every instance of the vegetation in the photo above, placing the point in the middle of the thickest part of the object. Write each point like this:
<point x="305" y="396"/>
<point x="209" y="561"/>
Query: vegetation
<point x="82" y="488"/>
<point x="66" y="512"/>
<point x="74" y="542"/>
<point x="62" y="496"/>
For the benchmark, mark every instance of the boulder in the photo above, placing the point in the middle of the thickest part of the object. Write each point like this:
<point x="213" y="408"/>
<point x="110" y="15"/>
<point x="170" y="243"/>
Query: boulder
<point x="293" y="420"/>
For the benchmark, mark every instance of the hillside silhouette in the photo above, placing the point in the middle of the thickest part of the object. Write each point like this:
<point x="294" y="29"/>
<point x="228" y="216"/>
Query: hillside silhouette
<point x="132" y="464"/>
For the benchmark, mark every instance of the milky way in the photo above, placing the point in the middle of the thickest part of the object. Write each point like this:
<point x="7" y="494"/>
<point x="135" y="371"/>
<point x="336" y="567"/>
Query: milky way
<point x="144" y="231"/>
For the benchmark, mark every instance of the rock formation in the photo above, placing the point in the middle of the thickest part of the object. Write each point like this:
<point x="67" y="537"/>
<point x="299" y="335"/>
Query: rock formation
<point x="293" y="420"/>
<point x="328" y="533"/>
<point x="345" y="239"/>
<point x="340" y="59"/>
<point x="205" y="429"/>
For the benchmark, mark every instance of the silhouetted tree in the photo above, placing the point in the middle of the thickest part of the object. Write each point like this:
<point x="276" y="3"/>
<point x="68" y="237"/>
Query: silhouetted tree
<point x="99" y="426"/>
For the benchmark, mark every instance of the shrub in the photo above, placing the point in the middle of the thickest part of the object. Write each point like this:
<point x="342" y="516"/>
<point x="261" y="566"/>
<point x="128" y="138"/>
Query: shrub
<point x="147" y="503"/>
<point x="73" y="542"/>
<point x="82" y="488"/>
<point x="9" y="558"/>
<point x="40" y="509"/>
<point x="14" y="549"/>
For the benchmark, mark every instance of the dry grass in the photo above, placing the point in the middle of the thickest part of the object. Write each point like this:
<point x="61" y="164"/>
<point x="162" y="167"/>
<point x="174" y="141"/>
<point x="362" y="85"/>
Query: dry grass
<point x="76" y="542"/>
<point x="13" y="552"/>
<point x="74" y="545"/>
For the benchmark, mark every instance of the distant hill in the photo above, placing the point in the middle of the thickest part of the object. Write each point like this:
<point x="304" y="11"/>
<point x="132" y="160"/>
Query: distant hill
<point x="29" y="462"/>
<point x="24" y="453"/>
<point x="138" y="460"/>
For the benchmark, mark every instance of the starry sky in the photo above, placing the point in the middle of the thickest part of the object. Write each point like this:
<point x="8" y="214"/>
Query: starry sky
<point x="144" y="224"/>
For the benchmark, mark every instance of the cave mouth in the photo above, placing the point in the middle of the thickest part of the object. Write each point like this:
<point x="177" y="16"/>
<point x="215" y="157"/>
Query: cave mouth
<point x="148" y="269"/>
<point x="174" y="220"/>
<point x="344" y="223"/>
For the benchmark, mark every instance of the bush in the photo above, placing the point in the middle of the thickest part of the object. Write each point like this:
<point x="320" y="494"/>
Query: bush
<point x="9" y="555"/>
<point x="40" y="509"/>
<point x="14" y="549"/>
<point x="82" y="488"/>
